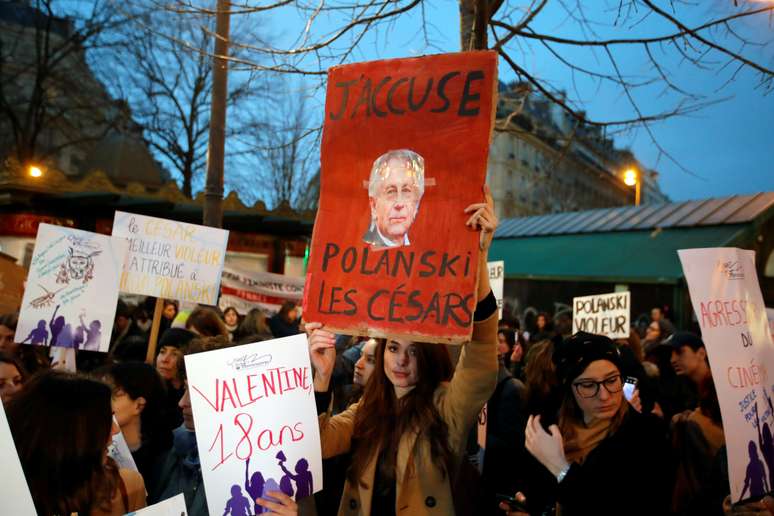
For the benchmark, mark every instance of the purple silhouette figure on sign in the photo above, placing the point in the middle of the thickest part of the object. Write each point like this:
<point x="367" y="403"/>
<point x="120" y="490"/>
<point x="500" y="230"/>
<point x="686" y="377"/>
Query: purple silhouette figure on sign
<point x="56" y="325"/>
<point x="755" y="478"/>
<point x="93" y="334"/>
<point x="302" y="478"/>
<point x="65" y="338"/>
<point x="78" y="337"/>
<point x="38" y="336"/>
<point x="238" y="505"/>
<point x="254" y="486"/>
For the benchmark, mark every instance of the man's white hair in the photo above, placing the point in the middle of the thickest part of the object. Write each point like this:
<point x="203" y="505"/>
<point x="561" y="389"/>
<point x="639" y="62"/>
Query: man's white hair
<point x="412" y="162"/>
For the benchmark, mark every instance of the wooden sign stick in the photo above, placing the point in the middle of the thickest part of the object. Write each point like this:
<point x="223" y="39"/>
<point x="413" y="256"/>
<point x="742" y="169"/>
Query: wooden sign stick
<point x="154" y="333"/>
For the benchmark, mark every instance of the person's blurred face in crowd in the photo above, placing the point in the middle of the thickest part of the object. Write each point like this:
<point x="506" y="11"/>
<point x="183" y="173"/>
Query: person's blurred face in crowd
<point x="394" y="207"/>
<point x="6" y="339"/>
<point x="365" y="364"/>
<point x="292" y="315"/>
<point x="502" y="344"/>
<point x="185" y="408"/>
<point x="653" y="332"/>
<point x="122" y="322"/>
<point x="10" y="381"/>
<point x="230" y="317"/>
<point x="655" y="314"/>
<point x="541" y="322"/>
<point x="686" y="361"/>
<point x="170" y="311"/>
<point x="125" y="409"/>
<point x="400" y="363"/>
<point x="167" y="362"/>
<point x="598" y="390"/>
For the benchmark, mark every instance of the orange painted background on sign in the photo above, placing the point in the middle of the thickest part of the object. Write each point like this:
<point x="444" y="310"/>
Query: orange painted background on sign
<point x="442" y="108"/>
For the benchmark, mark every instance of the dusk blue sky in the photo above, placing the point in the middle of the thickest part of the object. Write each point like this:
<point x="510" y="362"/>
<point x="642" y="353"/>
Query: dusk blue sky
<point x="728" y="146"/>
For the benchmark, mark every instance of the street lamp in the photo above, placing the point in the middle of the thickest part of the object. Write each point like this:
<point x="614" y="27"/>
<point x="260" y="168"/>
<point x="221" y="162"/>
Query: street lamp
<point x="632" y="178"/>
<point x="35" y="171"/>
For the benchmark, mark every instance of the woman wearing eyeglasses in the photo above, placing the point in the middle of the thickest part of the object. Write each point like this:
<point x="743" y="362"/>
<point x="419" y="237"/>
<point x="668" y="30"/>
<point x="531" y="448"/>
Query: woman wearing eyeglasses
<point x="604" y="457"/>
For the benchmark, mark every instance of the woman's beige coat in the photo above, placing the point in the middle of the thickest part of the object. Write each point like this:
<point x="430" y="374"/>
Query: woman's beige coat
<point x="421" y="487"/>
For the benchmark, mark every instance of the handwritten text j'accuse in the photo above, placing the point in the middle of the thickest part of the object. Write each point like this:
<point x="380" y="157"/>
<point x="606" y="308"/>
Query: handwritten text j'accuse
<point x="240" y="435"/>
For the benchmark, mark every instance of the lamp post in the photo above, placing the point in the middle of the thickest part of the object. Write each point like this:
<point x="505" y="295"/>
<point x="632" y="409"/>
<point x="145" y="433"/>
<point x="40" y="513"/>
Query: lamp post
<point x="632" y="178"/>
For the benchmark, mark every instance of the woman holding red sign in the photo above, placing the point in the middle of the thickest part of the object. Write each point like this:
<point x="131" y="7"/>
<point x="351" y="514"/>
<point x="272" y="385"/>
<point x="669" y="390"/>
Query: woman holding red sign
<point x="407" y="433"/>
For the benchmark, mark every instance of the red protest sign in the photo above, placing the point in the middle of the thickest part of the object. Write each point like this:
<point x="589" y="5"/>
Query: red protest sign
<point x="404" y="151"/>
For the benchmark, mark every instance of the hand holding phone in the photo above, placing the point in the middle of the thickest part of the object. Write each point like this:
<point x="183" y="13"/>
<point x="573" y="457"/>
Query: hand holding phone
<point x="629" y="386"/>
<point x="514" y="504"/>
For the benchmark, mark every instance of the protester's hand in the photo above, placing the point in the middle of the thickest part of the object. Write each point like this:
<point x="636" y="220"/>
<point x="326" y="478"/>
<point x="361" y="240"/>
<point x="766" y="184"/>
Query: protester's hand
<point x="517" y="354"/>
<point x="483" y="218"/>
<point x="636" y="402"/>
<point x="764" y="507"/>
<point x="322" y="353"/>
<point x="285" y="504"/>
<point x="521" y="498"/>
<point x="657" y="410"/>
<point x="547" y="448"/>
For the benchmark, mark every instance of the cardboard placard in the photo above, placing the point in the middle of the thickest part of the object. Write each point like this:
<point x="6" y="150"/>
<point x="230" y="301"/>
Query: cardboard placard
<point x="497" y="282"/>
<point x="604" y="314"/>
<point x="256" y="421"/>
<point x="174" y="506"/>
<point x="15" y="497"/>
<point x="404" y="152"/>
<point x="72" y="289"/>
<point x="170" y="259"/>
<point x="727" y="299"/>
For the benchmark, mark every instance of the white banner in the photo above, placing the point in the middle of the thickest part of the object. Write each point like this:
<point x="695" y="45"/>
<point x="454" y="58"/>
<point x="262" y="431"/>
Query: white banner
<point x="727" y="299"/>
<point x="263" y="290"/>
<point x="604" y="314"/>
<point x="72" y="289"/>
<point x="497" y="282"/>
<point x="15" y="497"/>
<point x="171" y="259"/>
<point x="256" y="421"/>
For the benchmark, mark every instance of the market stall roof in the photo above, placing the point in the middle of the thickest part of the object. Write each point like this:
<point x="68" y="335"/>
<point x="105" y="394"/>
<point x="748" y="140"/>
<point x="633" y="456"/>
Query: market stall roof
<point x="628" y="244"/>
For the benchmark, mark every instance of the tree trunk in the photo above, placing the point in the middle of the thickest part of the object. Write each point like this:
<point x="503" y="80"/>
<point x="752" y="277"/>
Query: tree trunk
<point x="474" y="17"/>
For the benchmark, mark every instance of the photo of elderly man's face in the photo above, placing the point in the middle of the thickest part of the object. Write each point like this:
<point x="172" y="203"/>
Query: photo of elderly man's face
<point x="395" y="188"/>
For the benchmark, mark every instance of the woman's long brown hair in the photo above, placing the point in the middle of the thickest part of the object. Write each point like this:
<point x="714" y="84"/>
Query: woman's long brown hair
<point x="61" y="425"/>
<point x="382" y="418"/>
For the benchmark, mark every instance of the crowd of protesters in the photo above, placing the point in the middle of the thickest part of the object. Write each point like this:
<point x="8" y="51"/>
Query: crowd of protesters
<point x="518" y="421"/>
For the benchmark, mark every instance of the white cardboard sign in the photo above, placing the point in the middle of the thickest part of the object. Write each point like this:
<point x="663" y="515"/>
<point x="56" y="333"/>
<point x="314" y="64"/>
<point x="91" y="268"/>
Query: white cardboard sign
<point x="15" y="497"/>
<point x="497" y="282"/>
<point x="256" y="422"/>
<point x="72" y="289"/>
<point x="727" y="299"/>
<point x="604" y="314"/>
<point x="171" y="259"/>
<point x="174" y="506"/>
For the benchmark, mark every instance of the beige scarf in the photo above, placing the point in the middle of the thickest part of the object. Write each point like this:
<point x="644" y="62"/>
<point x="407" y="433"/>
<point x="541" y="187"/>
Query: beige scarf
<point x="582" y="438"/>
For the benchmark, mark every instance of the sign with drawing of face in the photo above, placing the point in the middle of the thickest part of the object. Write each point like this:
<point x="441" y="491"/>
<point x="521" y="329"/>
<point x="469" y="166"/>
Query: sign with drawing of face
<point x="404" y="152"/>
<point x="72" y="289"/>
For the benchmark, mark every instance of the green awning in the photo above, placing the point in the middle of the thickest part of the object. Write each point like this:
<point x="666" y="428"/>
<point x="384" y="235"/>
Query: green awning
<point x="630" y="256"/>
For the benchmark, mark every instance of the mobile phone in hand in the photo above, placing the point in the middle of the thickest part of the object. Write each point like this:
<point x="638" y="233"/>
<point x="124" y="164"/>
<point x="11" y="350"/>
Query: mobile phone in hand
<point x="513" y="503"/>
<point x="629" y="386"/>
